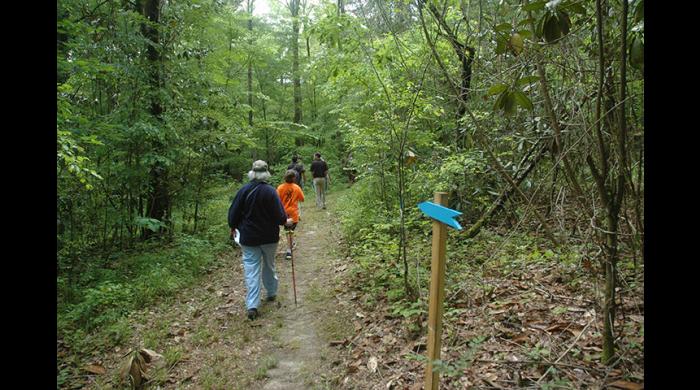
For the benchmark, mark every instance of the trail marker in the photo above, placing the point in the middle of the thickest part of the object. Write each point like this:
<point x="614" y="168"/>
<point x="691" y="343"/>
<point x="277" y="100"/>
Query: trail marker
<point x="441" y="213"/>
<point x="442" y="217"/>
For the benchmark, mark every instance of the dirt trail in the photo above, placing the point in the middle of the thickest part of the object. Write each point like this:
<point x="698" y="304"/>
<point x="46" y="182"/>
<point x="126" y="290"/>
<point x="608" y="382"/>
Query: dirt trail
<point x="302" y="348"/>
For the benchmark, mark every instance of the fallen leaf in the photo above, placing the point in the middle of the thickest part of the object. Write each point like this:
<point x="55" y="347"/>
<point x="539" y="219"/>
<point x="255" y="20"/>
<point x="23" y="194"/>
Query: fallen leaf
<point x="557" y="326"/>
<point x="372" y="364"/>
<point x="521" y="337"/>
<point x="354" y="367"/>
<point x="149" y="355"/>
<point x="541" y="327"/>
<point x="338" y="342"/>
<point x="95" y="369"/>
<point x="133" y="369"/>
<point x="620" y="384"/>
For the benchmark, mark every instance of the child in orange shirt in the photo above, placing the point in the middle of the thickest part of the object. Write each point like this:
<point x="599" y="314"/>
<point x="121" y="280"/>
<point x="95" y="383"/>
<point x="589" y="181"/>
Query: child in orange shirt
<point x="290" y="194"/>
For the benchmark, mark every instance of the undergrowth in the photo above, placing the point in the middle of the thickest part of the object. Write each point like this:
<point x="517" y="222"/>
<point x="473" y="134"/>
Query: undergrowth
<point x="470" y="262"/>
<point x="94" y="309"/>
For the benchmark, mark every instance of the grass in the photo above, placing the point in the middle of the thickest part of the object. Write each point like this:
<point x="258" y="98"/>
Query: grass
<point x="267" y="363"/>
<point x="314" y="294"/>
<point x="203" y="336"/>
<point x="154" y="336"/>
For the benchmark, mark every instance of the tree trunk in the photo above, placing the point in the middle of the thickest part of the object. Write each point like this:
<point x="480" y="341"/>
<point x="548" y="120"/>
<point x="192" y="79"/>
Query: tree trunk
<point x="341" y="11"/>
<point x="465" y="54"/>
<point x="294" y="9"/>
<point x="611" y="183"/>
<point x="250" y="63"/>
<point x="159" y="196"/>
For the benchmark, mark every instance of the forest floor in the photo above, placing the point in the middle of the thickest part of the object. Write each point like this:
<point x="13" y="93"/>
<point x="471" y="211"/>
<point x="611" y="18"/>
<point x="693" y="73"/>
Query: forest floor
<point x="525" y="319"/>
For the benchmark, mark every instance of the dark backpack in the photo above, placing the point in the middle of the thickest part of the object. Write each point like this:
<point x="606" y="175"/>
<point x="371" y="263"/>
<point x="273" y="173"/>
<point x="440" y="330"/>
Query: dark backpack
<point x="297" y="168"/>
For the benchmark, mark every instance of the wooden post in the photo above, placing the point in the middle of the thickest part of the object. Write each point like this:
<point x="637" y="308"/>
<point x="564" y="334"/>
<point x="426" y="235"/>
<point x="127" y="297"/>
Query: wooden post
<point x="437" y="295"/>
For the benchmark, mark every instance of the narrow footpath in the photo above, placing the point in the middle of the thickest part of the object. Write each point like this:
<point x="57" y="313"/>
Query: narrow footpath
<point x="302" y="351"/>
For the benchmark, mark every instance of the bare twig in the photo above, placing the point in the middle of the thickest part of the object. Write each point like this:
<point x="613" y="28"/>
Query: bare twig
<point x="567" y="350"/>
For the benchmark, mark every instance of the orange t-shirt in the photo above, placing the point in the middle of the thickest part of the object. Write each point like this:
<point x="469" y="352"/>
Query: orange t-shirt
<point x="290" y="194"/>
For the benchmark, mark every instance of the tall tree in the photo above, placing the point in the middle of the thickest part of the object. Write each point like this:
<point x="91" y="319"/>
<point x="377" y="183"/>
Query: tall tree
<point x="294" y="6"/>
<point x="158" y="206"/>
<point x="249" y="9"/>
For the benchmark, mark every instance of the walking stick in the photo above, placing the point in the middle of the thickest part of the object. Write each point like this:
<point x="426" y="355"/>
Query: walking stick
<point x="291" y="250"/>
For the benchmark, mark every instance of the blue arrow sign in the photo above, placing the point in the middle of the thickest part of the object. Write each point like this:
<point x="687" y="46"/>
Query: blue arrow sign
<point x="441" y="213"/>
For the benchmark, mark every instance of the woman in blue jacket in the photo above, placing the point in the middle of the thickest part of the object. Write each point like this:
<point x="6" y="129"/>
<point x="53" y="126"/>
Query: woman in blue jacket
<point x="257" y="213"/>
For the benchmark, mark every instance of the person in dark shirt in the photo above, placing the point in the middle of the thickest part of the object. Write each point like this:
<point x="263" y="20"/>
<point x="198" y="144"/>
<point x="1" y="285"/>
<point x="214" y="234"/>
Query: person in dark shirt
<point x="319" y="171"/>
<point x="298" y="167"/>
<point x="257" y="212"/>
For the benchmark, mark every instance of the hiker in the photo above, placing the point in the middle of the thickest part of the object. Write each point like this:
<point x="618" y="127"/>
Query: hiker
<point x="328" y="177"/>
<point x="290" y="194"/>
<point x="319" y="170"/>
<point x="298" y="168"/>
<point x="256" y="212"/>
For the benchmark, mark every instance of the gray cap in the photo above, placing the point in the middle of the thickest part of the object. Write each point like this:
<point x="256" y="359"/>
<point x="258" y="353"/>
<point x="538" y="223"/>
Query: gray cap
<point x="259" y="166"/>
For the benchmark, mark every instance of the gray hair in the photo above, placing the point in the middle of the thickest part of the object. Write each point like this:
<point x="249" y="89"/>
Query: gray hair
<point x="260" y="176"/>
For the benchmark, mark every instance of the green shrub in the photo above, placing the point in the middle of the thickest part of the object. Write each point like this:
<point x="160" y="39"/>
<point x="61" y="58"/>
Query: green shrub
<point x="137" y="280"/>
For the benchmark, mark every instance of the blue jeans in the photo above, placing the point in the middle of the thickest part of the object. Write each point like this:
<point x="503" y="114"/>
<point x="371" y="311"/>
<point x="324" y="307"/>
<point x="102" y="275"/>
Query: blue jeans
<point x="257" y="259"/>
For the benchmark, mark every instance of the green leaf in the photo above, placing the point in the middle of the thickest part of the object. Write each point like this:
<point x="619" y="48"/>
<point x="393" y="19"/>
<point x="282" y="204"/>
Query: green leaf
<point x="576" y="7"/>
<point x="539" y="29"/>
<point x="564" y="22"/>
<point x="534" y="6"/>
<point x="526" y="22"/>
<point x="151" y="224"/>
<point x="639" y="12"/>
<point x="551" y="29"/>
<point x="504" y="27"/>
<point x="496" y="89"/>
<point x="637" y="52"/>
<point x="522" y="100"/>
<point x="500" y="101"/>
<point x="501" y="45"/>
<point x="516" y="43"/>
<point x="525" y="33"/>
<point x="527" y="80"/>
<point x="509" y="103"/>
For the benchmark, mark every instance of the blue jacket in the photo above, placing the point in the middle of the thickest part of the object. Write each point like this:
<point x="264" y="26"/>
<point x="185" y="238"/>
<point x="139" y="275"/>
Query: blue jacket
<point x="257" y="212"/>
